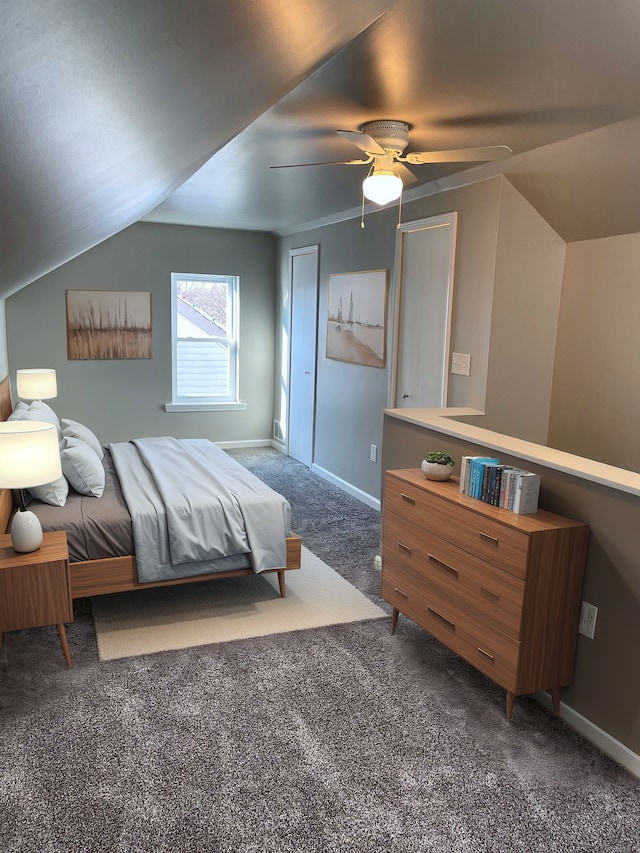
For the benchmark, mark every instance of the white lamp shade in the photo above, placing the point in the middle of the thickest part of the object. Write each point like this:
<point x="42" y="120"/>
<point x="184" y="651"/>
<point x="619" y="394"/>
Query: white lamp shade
<point x="382" y="187"/>
<point x="29" y="454"/>
<point x="36" y="383"/>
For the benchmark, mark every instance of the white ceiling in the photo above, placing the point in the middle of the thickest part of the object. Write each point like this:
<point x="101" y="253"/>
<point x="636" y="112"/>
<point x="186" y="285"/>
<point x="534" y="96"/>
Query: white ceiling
<point x="174" y="112"/>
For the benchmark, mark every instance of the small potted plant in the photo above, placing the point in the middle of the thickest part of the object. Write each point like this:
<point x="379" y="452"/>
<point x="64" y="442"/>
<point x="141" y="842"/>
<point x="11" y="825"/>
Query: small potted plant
<point x="437" y="465"/>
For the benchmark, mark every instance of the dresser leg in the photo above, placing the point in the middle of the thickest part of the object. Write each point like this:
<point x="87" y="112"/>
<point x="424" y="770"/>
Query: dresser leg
<point x="63" y="642"/>
<point x="394" y="620"/>
<point x="555" y="698"/>
<point x="510" y="697"/>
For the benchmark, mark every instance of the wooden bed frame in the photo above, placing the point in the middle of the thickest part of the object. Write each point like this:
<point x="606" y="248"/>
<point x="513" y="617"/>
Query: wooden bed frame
<point x="119" y="574"/>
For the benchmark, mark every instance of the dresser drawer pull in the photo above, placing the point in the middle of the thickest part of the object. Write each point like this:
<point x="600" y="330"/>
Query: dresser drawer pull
<point x="486" y="654"/>
<point x="442" y="565"/>
<point x="405" y="548"/>
<point x="401" y="593"/>
<point x="492" y="539"/>
<point x="407" y="499"/>
<point x="489" y="594"/>
<point x="439" y="616"/>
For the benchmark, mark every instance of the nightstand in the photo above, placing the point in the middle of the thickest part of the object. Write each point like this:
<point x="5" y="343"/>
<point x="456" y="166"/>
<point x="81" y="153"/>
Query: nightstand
<point x="34" y="587"/>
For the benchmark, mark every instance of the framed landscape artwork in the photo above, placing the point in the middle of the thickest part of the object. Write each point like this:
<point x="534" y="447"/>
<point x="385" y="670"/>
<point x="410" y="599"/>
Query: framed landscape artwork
<point x="356" y="317"/>
<point x="108" y="324"/>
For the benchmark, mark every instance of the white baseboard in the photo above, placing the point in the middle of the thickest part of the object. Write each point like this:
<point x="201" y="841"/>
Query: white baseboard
<point x="256" y="442"/>
<point x="367" y="499"/>
<point x="609" y="745"/>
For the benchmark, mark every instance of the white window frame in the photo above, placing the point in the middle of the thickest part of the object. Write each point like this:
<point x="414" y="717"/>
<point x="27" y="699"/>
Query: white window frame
<point x="197" y="403"/>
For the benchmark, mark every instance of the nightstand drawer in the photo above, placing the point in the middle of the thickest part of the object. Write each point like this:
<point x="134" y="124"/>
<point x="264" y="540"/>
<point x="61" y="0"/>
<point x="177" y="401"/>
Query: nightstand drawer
<point x="34" y="587"/>
<point x="491" y="651"/>
<point x="495" y="595"/>
<point x="35" y="595"/>
<point x="472" y="531"/>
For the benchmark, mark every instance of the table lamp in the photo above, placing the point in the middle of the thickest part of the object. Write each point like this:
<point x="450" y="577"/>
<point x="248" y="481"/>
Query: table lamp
<point x="36" y="383"/>
<point x="29" y="456"/>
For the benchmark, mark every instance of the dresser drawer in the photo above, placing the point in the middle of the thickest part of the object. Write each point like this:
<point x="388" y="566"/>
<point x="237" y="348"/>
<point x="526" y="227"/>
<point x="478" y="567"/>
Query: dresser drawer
<point x="501" y="545"/>
<point x="496" y="596"/>
<point x="404" y="590"/>
<point x="491" y="651"/>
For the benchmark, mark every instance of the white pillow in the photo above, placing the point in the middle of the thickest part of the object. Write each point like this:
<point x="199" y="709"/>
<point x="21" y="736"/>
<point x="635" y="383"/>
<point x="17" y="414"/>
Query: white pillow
<point x="18" y="412"/>
<point x="82" y="467"/>
<point x="52" y="493"/>
<point x="72" y="429"/>
<point x="37" y="411"/>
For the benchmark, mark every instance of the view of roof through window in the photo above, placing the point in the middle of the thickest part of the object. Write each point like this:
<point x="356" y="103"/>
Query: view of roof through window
<point x="202" y="308"/>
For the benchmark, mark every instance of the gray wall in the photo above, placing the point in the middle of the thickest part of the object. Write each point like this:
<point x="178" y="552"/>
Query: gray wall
<point x="506" y="296"/>
<point x="505" y="313"/>
<point x="596" y="383"/>
<point x="4" y="361"/>
<point x="125" y="398"/>
<point x="351" y="398"/>
<point x="524" y="321"/>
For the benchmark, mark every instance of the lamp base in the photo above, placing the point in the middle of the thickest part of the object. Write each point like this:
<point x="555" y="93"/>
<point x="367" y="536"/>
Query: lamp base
<point x="26" y="532"/>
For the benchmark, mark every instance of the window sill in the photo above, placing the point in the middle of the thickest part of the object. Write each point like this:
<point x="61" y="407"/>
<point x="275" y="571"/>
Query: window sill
<point x="205" y="407"/>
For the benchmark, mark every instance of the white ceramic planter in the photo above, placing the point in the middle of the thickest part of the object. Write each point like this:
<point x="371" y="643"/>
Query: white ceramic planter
<point x="435" y="471"/>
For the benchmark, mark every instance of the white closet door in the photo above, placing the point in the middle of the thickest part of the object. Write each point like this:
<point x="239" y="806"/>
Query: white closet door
<point x="302" y="378"/>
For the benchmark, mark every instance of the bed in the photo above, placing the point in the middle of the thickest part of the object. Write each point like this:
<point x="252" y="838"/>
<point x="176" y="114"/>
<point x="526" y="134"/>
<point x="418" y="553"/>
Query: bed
<point x="102" y="534"/>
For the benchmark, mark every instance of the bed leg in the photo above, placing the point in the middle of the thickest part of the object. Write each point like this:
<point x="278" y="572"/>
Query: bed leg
<point x="282" y="582"/>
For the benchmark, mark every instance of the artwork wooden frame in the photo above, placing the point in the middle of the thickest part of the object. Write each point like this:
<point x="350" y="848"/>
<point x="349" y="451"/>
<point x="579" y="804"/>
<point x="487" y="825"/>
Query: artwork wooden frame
<point x="108" y="324"/>
<point x="357" y="317"/>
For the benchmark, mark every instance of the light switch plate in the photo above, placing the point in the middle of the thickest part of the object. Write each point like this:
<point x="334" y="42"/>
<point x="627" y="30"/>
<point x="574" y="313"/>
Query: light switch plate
<point x="461" y="363"/>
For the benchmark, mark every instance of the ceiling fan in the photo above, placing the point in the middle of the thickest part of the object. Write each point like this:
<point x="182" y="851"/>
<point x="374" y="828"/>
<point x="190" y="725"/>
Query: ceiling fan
<point x="384" y="141"/>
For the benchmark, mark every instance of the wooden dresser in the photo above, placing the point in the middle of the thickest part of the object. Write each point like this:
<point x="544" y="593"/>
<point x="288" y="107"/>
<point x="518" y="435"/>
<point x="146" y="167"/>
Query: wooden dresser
<point x="501" y="590"/>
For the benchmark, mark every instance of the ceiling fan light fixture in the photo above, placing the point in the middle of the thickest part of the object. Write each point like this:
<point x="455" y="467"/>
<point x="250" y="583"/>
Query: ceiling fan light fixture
<point x="382" y="186"/>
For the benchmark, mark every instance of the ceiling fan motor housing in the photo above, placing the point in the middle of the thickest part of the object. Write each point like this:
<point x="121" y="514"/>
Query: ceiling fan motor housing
<point x="392" y="135"/>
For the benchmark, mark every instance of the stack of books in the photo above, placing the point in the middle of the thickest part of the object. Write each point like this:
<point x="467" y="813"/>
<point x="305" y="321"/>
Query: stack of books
<point x="486" y="479"/>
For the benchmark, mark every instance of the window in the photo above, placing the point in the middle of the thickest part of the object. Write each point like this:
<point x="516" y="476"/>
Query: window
<point x="204" y="342"/>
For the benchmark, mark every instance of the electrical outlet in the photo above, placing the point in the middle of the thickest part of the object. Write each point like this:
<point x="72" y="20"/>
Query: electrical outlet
<point x="373" y="455"/>
<point x="588" y="616"/>
<point x="461" y="363"/>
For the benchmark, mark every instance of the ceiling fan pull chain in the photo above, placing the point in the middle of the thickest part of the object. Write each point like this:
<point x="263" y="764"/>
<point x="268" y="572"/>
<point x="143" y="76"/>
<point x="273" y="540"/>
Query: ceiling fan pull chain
<point x="362" y="214"/>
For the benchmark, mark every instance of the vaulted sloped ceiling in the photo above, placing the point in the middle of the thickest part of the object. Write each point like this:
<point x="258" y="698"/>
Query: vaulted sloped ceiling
<point x="106" y="108"/>
<point x="523" y="73"/>
<point x="113" y="111"/>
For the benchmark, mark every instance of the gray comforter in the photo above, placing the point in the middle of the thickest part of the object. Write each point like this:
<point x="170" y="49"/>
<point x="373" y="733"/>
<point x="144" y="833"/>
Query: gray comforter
<point x="194" y="509"/>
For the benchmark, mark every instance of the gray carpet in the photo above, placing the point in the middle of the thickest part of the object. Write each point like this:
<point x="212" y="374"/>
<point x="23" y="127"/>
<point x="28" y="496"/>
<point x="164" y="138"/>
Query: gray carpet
<point x="341" y="738"/>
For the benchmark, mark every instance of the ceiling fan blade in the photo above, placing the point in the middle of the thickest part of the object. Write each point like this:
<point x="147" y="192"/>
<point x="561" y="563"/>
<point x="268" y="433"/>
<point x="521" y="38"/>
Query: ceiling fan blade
<point x="336" y="163"/>
<point x="363" y="141"/>
<point x="406" y="175"/>
<point x="459" y="155"/>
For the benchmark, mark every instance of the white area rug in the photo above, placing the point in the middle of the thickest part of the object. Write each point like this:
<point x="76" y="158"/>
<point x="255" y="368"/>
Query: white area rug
<point x="196" y="614"/>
